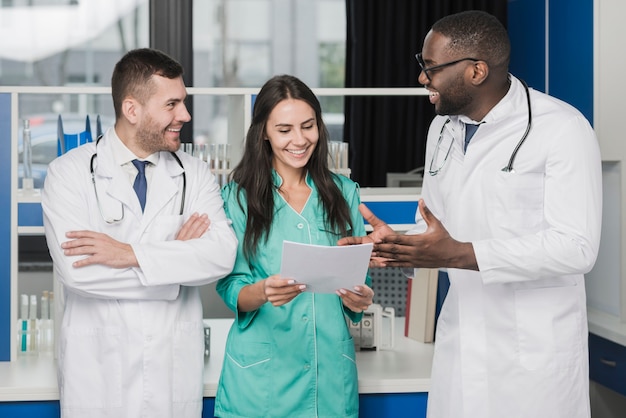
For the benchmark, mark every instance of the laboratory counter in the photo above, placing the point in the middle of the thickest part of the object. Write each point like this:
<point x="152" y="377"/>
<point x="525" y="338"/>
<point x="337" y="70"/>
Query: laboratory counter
<point x="403" y="370"/>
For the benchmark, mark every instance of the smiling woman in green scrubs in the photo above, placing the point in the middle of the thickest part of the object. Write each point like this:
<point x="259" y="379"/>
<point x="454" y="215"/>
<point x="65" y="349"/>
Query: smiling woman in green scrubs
<point x="289" y="352"/>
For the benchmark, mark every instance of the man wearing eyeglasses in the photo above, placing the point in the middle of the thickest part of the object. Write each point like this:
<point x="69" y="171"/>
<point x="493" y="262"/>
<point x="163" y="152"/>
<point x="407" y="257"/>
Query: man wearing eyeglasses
<point x="511" y="206"/>
<point x="134" y="227"/>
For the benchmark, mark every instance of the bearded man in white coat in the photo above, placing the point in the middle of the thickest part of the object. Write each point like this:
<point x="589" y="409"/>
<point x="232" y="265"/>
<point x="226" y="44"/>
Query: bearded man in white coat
<point x="131" y="340"/>
<point x="514" y="214"/>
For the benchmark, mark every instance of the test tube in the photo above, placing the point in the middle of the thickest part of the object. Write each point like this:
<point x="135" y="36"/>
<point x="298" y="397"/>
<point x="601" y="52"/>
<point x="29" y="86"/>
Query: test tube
<point x="201" y="151"/>
<point x="207" y="341"/>
<point x="214" y="157"/>
<point x="46" y="334"/>
<point x="45" y="306"/>
<point x="22" y="325"/>
<point x="224" y="157"/>
<point x="32" y="324"/>
<point x="224" y="162"/>
<point x="343" y="155"/>
<point x="331" y="162"/>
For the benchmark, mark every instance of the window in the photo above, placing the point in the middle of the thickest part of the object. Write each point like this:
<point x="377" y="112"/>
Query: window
<point x="243" y="43"/>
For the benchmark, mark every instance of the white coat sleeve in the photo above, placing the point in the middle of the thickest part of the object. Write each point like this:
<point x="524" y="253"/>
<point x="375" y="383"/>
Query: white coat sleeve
<point x="69" y="204"/>
<point x="198" y="261"/>
<point x="569" y="239"/>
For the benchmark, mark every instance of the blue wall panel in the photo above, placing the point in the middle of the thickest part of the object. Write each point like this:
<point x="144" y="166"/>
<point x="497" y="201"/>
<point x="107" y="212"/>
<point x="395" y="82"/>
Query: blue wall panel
<point x="29" y="214"/>
<point x="393" y="405"/>
<point x="35" y="409"/>
<point x="5" y="227"/>
<point x="387" y="405"/>
<point x="571" y="53"/>
<point x="400" y="212"/>
<point x="569" y="70"/>
<point x="526" y="27"/>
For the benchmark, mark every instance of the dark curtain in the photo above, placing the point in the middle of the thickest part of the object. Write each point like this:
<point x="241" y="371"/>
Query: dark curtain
<point x="388" y="133"/>
<point x="171" y="32"/>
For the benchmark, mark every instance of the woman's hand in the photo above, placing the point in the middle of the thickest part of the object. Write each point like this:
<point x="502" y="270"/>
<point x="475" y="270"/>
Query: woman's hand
<point x="279" y="291"/>
<point x="274" y="289"/>
<point x="359" y="299"/>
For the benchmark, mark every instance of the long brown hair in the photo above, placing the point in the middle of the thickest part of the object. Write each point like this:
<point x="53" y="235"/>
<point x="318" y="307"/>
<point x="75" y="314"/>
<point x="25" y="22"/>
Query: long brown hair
<point x="253" y="174"/>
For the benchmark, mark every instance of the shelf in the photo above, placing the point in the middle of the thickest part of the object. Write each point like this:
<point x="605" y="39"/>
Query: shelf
<point x="22" y="212"/>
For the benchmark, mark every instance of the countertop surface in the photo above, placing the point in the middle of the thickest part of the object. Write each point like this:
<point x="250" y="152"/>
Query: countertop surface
<point x="607" y="326"/>
<point x="403" y="369"/>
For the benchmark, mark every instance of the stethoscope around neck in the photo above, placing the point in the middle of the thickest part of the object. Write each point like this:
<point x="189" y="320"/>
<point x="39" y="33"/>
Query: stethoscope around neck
<point x="110" y="220"/>
<point x="509" y="167"/>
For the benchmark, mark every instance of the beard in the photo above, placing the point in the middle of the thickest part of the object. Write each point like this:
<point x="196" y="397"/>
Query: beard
<point x="455" y="100"/>
<point x="151" y="137"/>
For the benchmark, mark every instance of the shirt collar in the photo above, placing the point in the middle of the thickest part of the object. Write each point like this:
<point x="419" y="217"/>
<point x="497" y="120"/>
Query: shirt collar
<point x="503" y="109"/>
<point x="277" y="180"/>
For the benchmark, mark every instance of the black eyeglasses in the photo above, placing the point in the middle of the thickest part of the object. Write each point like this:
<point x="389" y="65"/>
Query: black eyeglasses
<point x="426" y="70"/>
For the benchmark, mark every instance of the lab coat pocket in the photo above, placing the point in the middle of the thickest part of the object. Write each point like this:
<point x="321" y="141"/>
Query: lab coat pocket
<point x="91" y="367"/>
<point x="518" y="201"/>
<point x="188" y="361"/>
<point x="163" y="228"/>
<point x="350" y="378"/>
<point x="247" y="371"/>
<point x="549" y="327"/>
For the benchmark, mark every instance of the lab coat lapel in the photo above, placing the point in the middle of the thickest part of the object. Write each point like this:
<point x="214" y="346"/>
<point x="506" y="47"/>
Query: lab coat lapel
<point x="163" y="187"/>
<point x="117" y="185"/>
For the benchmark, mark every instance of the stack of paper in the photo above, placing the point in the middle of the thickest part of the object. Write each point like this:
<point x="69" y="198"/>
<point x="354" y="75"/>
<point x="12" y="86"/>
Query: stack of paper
<point x="325" y="269"/>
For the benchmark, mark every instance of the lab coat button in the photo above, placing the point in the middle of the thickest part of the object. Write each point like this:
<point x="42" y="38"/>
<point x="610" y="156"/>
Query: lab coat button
<point x="305" y="319"/>
<point x="300" y="225"/>
<point x="307" y="366"/>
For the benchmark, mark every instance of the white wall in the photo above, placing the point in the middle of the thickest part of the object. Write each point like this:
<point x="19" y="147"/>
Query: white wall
<point x="609" y="90"/>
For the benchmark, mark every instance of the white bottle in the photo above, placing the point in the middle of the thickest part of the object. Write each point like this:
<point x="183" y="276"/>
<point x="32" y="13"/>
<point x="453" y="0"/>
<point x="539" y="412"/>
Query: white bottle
<point x="32" y="320"/>
<point x="22" y="326"/>
<point x="52" y="311"/>
<point x="45" y="325"/>
<point x="52" y="306"/>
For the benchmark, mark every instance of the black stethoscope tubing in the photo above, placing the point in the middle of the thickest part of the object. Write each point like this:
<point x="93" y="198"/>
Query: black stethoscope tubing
<point x="509" y="166"/>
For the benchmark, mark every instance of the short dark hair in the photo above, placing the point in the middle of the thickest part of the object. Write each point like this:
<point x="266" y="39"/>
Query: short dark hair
<point x="477" y="34"/>
<point x="132" y="75"/>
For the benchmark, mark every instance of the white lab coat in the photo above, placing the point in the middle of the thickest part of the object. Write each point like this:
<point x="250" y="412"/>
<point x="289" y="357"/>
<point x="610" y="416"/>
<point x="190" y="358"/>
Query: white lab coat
<point x="512" y="338"/>
<point x="131" y="340"/>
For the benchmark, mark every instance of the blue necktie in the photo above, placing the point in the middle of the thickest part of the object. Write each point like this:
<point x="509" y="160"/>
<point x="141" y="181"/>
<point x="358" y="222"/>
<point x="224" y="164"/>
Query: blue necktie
<point x="470" y="130"/>
<point x="141" y="185"/>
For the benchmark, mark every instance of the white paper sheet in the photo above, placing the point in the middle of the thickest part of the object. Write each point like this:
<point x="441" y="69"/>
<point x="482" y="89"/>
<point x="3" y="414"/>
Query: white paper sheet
<point x="325" y="269"/>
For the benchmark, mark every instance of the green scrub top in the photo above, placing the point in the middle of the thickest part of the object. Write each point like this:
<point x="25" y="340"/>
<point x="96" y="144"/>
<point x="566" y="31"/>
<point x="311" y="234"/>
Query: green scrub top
<point x="295" y="360"/>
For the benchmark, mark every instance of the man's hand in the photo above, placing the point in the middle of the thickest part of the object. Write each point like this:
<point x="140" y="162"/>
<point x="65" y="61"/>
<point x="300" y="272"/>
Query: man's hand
<point x="194" y="227"/>
<point x="380" y="230"/>
<point x="100" y="249"/>
<point x="434" y="248"/>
